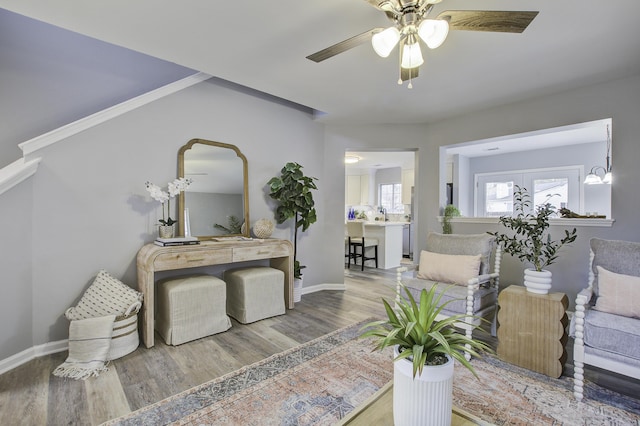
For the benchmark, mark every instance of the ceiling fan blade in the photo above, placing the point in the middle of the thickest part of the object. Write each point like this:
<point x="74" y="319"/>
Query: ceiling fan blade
<point x="488" y="20"/>
<point x="343" y="45"/>
<point x="408" y="73"/>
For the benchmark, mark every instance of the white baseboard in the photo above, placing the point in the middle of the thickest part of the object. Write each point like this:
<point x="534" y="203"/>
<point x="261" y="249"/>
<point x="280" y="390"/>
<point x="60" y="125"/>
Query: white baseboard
<point x="321" y="287"/>
<point x="32" y="353"/>
<point x="63" y="345"/>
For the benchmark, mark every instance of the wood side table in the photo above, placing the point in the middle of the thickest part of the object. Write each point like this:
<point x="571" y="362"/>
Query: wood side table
<point x="532" y="329"/>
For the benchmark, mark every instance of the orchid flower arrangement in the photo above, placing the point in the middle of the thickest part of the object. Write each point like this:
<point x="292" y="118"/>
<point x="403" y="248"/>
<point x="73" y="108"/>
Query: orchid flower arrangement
<point x="173" y="189"/>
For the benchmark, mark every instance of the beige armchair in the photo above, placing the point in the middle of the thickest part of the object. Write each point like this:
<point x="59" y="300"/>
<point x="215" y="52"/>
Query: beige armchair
<point x="472" y="264"/>
<point x="606" y="324"/>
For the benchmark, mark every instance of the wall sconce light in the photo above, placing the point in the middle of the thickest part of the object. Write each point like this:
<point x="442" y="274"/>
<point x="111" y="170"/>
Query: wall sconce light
<point x="592" y="178"/>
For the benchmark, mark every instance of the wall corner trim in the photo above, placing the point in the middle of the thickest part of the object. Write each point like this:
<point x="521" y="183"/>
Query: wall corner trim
<point x="42" y="141"/>
<point x="16" y="172"/>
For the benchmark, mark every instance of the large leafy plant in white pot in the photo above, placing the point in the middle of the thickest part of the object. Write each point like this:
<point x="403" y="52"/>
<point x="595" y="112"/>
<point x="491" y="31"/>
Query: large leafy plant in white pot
<point x="529" y="240"/>
<point x="292" y="191"/>
<point x="424" y="354"/>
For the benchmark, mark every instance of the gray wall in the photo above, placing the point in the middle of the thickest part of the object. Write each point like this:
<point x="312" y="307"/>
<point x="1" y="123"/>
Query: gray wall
<point x="88" y="208"/>
<point x="16" y="296"/>
<point x="50" y="77"/>
<point x="619" y="99"/>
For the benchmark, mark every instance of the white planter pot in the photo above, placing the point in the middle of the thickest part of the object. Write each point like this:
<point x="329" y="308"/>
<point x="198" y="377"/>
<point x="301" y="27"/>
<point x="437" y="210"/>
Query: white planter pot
<point x="425" y="400"/>
<point x="538" y="282"/>
<point x="297" y="289"/>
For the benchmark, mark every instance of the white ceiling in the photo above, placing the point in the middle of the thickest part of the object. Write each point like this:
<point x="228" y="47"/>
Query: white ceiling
<point x="263" y="44"/>
<point x="380" y="160"/>
<point x="575" y="134"/>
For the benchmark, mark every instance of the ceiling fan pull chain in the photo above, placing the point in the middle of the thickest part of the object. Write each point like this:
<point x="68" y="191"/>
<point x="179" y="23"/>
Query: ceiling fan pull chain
<point x="400" y="67"/>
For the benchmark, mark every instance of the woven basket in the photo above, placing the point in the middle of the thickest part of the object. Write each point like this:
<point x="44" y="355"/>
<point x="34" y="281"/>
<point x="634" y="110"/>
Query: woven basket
<point x="109" y="296"/>
<point x="125" y="337"/>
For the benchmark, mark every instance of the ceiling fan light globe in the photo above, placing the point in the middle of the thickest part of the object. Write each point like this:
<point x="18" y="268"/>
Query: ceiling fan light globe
<point x="433" y="32"/>
<point x="608" y="178"/>
<point x="384" y="41"/>
<point x="411" y="56"/>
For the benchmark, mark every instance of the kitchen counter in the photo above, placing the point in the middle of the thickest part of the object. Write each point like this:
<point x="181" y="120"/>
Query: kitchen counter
<point x="381" y="223"/>
<point x="389" y="236"/>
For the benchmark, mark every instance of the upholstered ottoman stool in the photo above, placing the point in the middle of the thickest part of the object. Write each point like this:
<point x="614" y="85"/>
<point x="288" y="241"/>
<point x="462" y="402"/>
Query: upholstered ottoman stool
<point x="254" y="293"/>
<point x="190" y="308"/>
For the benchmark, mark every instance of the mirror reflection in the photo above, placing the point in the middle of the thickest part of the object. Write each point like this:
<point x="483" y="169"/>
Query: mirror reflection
<point x="216" y="202"/>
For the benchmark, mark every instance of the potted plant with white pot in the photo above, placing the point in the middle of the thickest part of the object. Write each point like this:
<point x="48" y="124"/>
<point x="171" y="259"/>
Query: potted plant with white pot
<point x="530" y="241"/>
<point x="292" y="190"/>
<point x="166" y="228"/>
<point x="424" y="354"/>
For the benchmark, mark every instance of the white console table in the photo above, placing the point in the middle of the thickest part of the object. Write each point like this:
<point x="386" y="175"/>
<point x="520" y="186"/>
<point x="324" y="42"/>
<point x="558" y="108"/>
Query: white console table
<point x="153" y="258"/>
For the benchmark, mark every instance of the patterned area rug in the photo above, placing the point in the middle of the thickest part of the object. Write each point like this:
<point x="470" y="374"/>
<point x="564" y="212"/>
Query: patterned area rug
<point x="321" y="381"/>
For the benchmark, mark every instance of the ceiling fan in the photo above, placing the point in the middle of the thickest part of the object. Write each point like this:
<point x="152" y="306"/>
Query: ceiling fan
<point x="411" y="24"/>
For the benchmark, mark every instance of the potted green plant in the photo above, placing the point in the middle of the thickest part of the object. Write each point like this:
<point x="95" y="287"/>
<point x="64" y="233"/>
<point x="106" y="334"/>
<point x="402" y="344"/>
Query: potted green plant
<point x="529" y="239"/>
<point x="234" y="226"/>
<point x="449" y="211"/>
<point x="424" y="354"/>
<point x="292" y="190"/>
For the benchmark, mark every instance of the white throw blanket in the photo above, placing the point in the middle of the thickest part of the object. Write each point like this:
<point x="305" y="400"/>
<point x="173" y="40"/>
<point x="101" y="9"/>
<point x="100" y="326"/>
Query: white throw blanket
<point x="89" y="343"/>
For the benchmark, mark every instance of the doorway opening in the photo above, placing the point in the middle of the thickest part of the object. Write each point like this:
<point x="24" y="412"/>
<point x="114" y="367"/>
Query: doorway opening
<point x="380" y="188"/>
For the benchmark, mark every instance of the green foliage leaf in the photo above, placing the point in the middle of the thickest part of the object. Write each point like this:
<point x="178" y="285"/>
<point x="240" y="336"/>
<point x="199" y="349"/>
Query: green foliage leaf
<point x="292" y="192"/>
<point x="422" y="338"/>
<point x="529" y="239"/>
<point x="234" y="226"/>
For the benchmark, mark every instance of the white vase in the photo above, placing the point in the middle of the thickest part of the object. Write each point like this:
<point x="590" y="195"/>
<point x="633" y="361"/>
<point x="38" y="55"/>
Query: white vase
<point x="425" y="400"/>
<point x="538" y="282"/>
<point x="297" y="289"/>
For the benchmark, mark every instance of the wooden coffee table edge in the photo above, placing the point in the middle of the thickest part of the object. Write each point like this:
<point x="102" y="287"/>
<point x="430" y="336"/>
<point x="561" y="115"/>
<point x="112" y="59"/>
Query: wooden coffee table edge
<point x="459" y="418"/>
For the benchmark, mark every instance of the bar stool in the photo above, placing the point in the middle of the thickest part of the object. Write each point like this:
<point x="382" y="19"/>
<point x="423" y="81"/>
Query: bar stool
<point x="356" y="238"/>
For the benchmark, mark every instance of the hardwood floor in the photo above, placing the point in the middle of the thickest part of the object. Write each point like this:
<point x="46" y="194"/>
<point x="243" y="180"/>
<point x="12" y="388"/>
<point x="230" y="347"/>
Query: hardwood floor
<point x="31" y="395"/>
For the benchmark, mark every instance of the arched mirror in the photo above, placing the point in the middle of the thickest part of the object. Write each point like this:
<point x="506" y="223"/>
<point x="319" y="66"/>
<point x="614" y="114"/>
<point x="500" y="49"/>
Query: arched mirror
<point x="217" y="201"/>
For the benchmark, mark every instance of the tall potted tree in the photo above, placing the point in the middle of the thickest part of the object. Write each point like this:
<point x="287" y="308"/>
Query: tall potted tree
<point x="529" y="240"/>
<point x="292" y="190"/>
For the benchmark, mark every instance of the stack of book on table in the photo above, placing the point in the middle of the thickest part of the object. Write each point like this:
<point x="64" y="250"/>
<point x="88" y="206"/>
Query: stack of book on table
<point x="177" y="241"/>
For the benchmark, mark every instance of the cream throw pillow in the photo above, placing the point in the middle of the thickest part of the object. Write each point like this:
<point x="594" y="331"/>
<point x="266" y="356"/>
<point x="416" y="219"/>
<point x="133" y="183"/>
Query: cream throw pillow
<point x="618" y="294"/>
<point x="105" y="296"/>
<point x="448" y="268"/>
